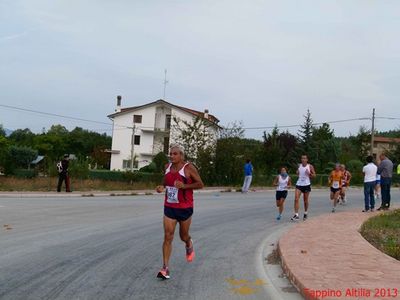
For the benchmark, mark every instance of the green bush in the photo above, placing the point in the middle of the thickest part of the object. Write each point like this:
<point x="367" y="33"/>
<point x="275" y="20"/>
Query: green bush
<point x="160" y="161"/>
<point x="106" y="175"/>
<point x="125" y="176"/>
<point x="79" y="169"/>
<point x="150" y="168"/>
<point x="24" y="173"/>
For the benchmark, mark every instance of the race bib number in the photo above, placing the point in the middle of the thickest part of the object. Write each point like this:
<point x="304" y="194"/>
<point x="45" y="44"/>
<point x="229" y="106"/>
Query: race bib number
<point x="335" y="184"/>
<point x="172" y="194"/>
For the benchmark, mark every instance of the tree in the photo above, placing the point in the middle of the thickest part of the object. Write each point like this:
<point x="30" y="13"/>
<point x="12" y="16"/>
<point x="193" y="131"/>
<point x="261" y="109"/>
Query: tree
<point x="273" y="150"/>
<point x="232" y="130"/>
<point x="362" y="142"/>
<point x="326" y="147"/>
<point x="22" y="137"/>
<point x="279" y="150"/>
<point x="160" y="160"/>
<point x="193" y="136"/>
<point x="305" y="133"/>
<point x="3" y="152"/>
<point x="22" y="156"/>
<point x="2" y="131"/>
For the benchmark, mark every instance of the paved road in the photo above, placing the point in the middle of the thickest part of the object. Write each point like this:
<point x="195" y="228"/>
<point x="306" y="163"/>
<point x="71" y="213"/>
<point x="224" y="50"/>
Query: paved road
<point x="109" y="248"/>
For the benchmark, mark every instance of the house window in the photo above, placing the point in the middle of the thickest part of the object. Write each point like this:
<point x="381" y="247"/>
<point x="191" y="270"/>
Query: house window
<point x="137" y="119"/>
<point x="137" y="140"/>
<point x="168" y="122"/>
<point x="166" y="145"/>
<point x="126" y="164"/>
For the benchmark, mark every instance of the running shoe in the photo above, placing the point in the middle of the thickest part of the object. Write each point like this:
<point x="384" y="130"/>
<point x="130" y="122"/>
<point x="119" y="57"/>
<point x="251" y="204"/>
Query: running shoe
<point x="365" y="210"/>
<point x="163" y="274"/>
<point x="295" y="218"/>
<point x="190" y="253"/>
<point x="278" y="217"/>
<point x="305" y="217"/>
<point x="333" y="209"/>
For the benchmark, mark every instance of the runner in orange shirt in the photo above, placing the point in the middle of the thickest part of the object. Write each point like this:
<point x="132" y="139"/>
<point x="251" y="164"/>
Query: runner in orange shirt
<point x="335" y="182"/>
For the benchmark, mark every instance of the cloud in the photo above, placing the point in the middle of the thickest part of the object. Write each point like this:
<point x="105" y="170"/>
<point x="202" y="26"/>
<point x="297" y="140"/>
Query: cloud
<point x="15" y="36"/>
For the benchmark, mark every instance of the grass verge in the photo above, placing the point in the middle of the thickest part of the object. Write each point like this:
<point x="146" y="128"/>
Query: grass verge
<point x="46" y="184"/>
<point x="383" y="232"/>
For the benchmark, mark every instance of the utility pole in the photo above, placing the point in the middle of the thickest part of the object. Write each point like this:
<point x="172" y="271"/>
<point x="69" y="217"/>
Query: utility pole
<point x="132" y="146"/>
<point x="165" y="82"/>
<point x="372" y="131"/>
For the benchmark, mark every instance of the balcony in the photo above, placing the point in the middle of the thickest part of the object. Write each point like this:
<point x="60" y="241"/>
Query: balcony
<point x="156" y="130"/>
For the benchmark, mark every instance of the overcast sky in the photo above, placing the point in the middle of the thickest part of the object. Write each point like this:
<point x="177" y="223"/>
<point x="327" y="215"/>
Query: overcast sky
<point x="262" y="62"/>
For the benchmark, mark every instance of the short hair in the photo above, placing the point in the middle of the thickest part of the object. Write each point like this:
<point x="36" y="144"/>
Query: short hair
<point x="179" y="147"/>
<point x="248" y="160"/>
<point x="370" y="159"/>
<point x="304" y="155"/>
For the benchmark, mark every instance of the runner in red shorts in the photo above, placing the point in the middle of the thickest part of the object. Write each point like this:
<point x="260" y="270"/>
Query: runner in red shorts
<point x="180" y="179"/>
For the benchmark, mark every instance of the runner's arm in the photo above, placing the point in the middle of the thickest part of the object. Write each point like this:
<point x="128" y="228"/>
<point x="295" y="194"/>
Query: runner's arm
<point x="312" y="171"/>
<point x="160" y="188"/>
<point x="289" y="184"/>
<point x="348" y="178"/>
<point x="192" y="173"/>
<point x="275" y="182"/>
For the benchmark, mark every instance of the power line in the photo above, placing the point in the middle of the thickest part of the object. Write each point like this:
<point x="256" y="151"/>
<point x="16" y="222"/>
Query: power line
<point x="387" y="118"/>
<point x="54" y="115"/>
<point x="299" y="125"/>
<point x="121" y="127"/>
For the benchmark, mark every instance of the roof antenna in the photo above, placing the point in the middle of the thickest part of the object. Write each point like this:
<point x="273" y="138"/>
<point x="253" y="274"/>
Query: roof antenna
<point x="165" y="81"/>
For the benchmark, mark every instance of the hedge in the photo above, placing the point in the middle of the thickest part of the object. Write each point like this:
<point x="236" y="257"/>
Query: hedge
<point x="125" y="176"/>
<point x="24" y="173"/>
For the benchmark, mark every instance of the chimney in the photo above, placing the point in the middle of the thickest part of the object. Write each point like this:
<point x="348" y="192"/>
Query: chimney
<point x="118" y="108"/>
<point x="206" y="114"/>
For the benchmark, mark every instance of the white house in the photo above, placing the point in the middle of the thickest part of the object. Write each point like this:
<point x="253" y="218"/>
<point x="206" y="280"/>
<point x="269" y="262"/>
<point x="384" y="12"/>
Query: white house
<point x="140" y="132"/>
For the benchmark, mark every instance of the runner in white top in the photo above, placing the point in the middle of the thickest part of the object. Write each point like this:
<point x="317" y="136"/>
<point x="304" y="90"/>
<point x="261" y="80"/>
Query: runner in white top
<point x="303" y="186"/>
<point x="282" y="183"/>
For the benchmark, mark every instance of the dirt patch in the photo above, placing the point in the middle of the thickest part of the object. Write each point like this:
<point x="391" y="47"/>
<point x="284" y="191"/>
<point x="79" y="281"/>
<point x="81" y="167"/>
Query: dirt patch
<point x="289" y="289"/>
<point x="273" y="258"/>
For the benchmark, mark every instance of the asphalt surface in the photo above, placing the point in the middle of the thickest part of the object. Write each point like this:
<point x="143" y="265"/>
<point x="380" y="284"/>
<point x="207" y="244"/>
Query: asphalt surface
<point x="110" y="247"/>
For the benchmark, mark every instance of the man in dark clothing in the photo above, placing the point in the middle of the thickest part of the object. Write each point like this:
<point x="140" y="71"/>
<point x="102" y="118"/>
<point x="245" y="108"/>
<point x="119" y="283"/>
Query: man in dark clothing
<point x="62" y="167"/>
<point x="385" y="169"/>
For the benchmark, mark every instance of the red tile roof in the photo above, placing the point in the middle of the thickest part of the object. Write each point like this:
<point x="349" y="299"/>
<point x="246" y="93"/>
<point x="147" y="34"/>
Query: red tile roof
<point x="196" y="113"/>
<point x="382" y="139"/>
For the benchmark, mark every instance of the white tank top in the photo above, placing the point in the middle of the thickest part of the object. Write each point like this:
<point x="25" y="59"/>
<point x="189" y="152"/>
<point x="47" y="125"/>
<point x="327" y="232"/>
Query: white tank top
<point x="181" y="171"/>
<point x="282" y="183"/>
<point x="304" y="179"/>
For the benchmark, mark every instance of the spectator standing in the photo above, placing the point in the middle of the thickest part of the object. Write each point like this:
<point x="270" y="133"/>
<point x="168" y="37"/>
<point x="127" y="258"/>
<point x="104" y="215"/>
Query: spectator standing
<point x="248" y="176"/>
<point x="385" y="169"/>
<point x="63" y="174"/>
<point x="370" y="171"/>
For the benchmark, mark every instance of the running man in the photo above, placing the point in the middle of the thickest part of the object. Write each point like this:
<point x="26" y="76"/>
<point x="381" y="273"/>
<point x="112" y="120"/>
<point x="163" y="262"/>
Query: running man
<point x="180" y="179"/>
<point x="345" y="184"/>
<point x="282" y="183"/>
<point x="303" y="186"/>
<point x="335" y="183"/>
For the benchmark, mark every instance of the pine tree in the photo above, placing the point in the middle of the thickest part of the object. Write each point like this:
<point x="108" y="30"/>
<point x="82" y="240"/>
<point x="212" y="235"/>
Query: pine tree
<point x="305" y="135"/>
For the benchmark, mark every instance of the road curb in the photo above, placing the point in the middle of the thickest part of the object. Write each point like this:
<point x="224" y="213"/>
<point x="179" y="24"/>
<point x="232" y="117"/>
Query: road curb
<point x="267" y="246"/>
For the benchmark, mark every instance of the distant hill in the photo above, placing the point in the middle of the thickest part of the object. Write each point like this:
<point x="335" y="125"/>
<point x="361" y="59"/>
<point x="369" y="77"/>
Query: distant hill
<point x="8" y="131"/>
